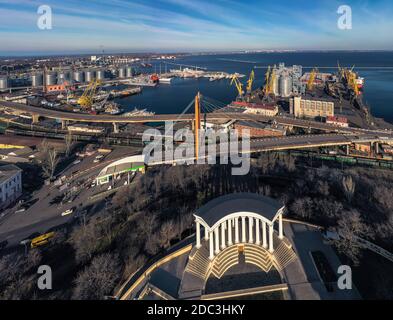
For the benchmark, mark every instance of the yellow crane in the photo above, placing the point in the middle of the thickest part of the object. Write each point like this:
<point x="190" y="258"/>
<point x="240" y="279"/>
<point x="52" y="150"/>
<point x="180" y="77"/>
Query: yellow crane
<point x="239" y="86"/>
<point x="250" y="81"/>
<point x="311" y="80"/>
<point x="270" y="78"/>
<point x="87" y="99"/>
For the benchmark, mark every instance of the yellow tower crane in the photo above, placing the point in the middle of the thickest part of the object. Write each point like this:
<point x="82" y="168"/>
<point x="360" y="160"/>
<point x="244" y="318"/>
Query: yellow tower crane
<point x="267" y="80"/>
<point x="239" y="86"/>
<point x="311" y="80"/>
<point x="87" y="99"/>
<point x="250" y="81"/>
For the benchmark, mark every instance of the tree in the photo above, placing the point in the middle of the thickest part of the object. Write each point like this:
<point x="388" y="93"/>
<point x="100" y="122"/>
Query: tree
<point x="348" y="187"/>
<point x="50" y="159"/>
<point x="98" y="279"/>
<point x="303" y="207"/>
<point x="351" y="226"/>
<point x="167" y="233"/>
<point x="85" y="241"/>
<point x="68" y="139"/>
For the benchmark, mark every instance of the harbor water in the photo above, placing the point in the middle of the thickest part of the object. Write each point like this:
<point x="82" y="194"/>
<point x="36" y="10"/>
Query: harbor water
<point x="375" y="67"/>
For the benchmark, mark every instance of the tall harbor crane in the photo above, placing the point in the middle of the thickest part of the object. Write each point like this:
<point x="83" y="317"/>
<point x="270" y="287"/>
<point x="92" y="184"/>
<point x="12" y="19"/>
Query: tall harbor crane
<point x="250" y="82"/>
<point x="239" y="86"/>
<point x="87" y="99"/>
<point x="311" y="80"/>
<point x="270" y="79"/>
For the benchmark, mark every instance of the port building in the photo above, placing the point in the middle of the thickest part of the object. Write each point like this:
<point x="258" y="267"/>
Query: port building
<point x="311" y="107"/>
<point x="10" y="184"/>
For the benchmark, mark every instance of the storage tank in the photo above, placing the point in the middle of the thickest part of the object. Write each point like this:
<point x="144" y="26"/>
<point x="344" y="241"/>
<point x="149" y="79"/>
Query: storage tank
<point x="100" y="74"/>
<point x="285" y="86"/>
<point x="3" y="83"/>
<point x="37" y="79"/>
<point x="128" y="72"/>
<point x="63" y="76"/>
<point x="50" y="78"/>
<point x="276" y="84"/>
<point x="122" y="73"/>
<point x="114" y="73"/>
<point x="89" y="75"/>
<point x="79" y="76"/>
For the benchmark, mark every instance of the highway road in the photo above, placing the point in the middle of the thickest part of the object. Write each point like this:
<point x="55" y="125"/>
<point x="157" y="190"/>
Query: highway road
<point x="81" y="117"/>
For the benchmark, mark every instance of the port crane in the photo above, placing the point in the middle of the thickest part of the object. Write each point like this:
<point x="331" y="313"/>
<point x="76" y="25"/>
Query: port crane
<point x="239" y="86"/>
<point x="87" y="99"/>
<point x="311" y="80"/>
<point x="270" y="79"/>
<point x="250" y="82"/>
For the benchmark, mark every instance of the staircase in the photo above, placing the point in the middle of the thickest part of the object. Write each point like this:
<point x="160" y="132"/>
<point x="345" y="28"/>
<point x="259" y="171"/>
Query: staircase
<point x="283" y="254"/>
<point x="226" y="259"/>
<point x="257" y="255"/>
<point x="198" y="262"/>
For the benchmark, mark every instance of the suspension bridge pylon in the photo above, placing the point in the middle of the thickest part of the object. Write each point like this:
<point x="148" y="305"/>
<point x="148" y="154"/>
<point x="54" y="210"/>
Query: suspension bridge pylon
<point x="197" y="123"/>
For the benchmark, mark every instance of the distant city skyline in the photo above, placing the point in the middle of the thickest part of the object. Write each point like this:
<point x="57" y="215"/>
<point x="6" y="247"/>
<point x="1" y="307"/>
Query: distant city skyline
<point x="192" y="26"/>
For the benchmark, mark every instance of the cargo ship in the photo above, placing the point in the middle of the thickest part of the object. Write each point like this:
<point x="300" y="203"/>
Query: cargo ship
<point x="113" y="109"/>
<point x="125" y="93"/>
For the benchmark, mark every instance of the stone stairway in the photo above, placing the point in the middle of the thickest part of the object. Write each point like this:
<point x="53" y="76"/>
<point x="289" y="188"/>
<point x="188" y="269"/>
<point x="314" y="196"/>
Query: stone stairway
<point x="284" y="253"/>
<point x="198" y="262"/>
<point x="225" y="260"/>
<point x="257" y="255"/>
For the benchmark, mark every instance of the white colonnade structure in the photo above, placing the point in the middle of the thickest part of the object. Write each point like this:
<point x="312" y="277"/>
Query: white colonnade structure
<point x="237" y="219"/>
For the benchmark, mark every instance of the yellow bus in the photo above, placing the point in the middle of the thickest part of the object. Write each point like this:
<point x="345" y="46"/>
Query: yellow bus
<point x="42" y="239"/>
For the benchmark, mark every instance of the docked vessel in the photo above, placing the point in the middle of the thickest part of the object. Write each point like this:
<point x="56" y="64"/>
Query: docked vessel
<point x="138" y="112"/>
<point x="165" y="80"/>
<point x="125" y="93"/>
<point x="113" y="109"/>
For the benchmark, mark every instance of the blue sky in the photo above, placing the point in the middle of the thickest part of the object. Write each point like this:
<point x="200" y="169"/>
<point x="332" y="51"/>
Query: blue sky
<point x="193" y="25"/>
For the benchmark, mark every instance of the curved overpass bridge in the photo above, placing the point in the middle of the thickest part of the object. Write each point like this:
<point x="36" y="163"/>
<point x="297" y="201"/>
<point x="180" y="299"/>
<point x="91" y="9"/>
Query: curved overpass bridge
<point x="37" y="112"/>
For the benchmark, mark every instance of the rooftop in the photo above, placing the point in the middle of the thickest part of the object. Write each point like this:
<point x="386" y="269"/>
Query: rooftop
<point x="220" y="207"/>
<point x="8" y="171"/>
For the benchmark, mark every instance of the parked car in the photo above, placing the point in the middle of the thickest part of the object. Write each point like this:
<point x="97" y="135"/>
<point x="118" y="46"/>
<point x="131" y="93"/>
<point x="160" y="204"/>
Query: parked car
<point x="67" y="212"/>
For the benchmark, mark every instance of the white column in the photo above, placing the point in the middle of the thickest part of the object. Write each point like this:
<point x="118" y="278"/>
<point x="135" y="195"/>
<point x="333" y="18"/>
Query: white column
<point x="257" y="237"/>
<point x="206" y="234"/>
<point x="230" y="232"/>
<point x="264" y="237"/>
<point x="280" y="230"/>
<point x="223" y="228"/>
<point x="217" y="240"/>
<point x="271" y="249"/>
<point x="211" y="246"/>
<point x="198" y="235"/>
<point x="243" y="229"/>
<point x="237" y="230"/>
<point x="250" y="231"/>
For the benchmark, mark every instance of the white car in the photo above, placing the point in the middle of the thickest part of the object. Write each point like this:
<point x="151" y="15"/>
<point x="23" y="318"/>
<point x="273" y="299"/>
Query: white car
<point x="67" y="212"/>
<point x="76" y="162"/>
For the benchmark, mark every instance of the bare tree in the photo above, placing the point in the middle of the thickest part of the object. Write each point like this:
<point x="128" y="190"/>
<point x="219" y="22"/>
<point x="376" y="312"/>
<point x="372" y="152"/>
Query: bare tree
<point x="351" y="226"/>
<point x="167" y="233"/>
<point x="98" y="279"/>
<point x="348" y="187"/>
<point x="69" y="140"/>
<point x="49" y="161"/>
<point x="85" y="241"/>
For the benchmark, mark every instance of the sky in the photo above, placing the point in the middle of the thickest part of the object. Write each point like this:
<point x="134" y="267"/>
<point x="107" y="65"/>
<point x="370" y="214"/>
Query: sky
<point x="94" y="26"/>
